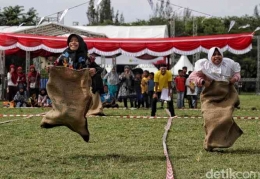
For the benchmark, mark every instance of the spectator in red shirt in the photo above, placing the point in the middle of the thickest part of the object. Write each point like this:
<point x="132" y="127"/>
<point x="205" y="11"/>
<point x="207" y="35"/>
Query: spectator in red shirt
<point x="180" y="88"/>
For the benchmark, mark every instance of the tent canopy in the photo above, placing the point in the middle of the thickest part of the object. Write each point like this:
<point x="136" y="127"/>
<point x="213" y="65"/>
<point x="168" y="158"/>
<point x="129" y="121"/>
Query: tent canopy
<point x="148" y="67"/>
<point x="183" y="61"/>
<point x="56" y="29"/>
<point x="50" y="29"/>
<point x="235" y="43"/>
<point x="158" y="31"/>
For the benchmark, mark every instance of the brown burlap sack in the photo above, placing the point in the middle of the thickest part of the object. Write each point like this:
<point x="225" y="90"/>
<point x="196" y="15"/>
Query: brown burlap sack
<point x="217" y="105"/>
<point x="69" y="91"/>
<point x="96" y="107"/>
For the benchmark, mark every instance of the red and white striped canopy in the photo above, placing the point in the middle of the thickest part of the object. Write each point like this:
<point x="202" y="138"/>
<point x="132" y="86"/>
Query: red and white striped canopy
<point x="234" y="43"/>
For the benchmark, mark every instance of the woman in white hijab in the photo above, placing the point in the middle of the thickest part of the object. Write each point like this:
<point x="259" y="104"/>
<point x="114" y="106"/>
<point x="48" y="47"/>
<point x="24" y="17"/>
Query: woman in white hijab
<point x="218" y="98"/>
<point x="217" y="68"/>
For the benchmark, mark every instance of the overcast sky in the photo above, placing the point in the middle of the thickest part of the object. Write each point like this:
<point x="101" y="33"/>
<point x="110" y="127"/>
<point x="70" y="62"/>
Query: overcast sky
<point x="135" y="9"/>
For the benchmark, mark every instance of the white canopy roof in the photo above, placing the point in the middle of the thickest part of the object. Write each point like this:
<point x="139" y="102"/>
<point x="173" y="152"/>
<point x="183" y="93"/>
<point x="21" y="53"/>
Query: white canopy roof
<point x="183" y="61"/>
<point x="55" y="29"/>
<point x="148" y="67"/>
<point x="158" y="31"/>
<point x="126" y="60"/>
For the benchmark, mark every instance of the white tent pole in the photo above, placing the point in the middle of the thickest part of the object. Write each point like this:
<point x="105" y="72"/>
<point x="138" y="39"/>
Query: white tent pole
<point x="27" y="61"/>
<point x="2" y="72"/>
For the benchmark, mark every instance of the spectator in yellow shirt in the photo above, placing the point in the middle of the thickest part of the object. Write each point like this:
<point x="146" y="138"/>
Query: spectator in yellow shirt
<point x="144" y="86"/>
<point x="162" y="80"/>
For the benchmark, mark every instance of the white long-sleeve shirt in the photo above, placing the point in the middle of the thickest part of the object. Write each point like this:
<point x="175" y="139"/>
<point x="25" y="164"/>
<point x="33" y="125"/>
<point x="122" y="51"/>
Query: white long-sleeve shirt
<point x="9" y="80"/>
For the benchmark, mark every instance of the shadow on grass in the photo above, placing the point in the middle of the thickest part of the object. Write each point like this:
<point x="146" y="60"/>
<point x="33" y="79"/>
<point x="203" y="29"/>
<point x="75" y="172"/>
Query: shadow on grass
<point x="237" y="151"/>
<point x="122" y="158"/>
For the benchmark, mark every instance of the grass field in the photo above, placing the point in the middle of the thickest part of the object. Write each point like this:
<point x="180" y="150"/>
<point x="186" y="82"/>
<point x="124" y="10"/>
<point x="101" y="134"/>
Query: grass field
<point x="123" y="148"/>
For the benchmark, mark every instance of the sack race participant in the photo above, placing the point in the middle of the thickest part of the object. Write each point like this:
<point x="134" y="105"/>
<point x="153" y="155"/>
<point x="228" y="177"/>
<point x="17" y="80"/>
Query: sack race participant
<point x="74" y="78"/>
<point x="218" y="99"/>
<point x="12" y="77"/>
<point x="76" y="57"/>
<point x="69" y="91"/>
<point x="97" y="89"/>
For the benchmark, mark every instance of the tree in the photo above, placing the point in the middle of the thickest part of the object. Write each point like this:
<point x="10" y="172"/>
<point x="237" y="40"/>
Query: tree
<point x="156" y="10"/>
<point x="122" y="19"/>
<point x="105" y="11"/>
<point x="91" y="14"/>
<point x="13" y="15"/>
<point x="117" y="18"/>
<point x="161" y="10"/>
<point x="30" y="18"/>
<point x="168" y="10"/>
<point x="256" y="12"/>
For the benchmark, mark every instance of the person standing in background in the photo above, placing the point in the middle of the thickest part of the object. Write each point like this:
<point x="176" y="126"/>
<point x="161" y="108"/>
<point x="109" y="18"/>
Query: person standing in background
<point x="180" y="88"/>
<point x="163" y="80"/>
<point x="144" y="86"/>
<point x="150" y="88"/>
<point x="126" y="89"/>
<point x="21" y="81"/>
<point x="112" y="79"/>
<point x="33" y="83"/>
<point x="12" y="78"/>
<point x="185" y="75"/>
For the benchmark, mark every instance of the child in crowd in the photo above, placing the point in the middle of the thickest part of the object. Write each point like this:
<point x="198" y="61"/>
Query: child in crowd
<point x="108" y="99"/>
<point x="21" y="81"/>
<point x="144" y="87"/>
<point x="180" y="88"/>
<point x="21" y="98"/>
<point x="150" y="87"/>
<point x="191" y="93"/>
<point x="138" y="91"/>
<point x="42" y="98"/>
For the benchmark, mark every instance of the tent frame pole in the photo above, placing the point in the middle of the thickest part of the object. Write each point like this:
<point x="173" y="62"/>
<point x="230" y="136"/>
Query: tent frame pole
<point x="2" y="73"/>
<point x="27" y="61"/>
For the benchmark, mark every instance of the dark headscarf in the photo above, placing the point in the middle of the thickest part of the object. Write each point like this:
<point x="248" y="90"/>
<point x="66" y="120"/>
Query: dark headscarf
<point x="14" y="75"/>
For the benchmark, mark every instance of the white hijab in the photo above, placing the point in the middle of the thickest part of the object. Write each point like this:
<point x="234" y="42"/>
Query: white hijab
<point x="222" y="72"/>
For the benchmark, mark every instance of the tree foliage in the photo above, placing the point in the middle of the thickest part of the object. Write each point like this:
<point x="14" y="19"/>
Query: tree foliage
<point x="14" y="15"/>
<point x="104" y="14"/>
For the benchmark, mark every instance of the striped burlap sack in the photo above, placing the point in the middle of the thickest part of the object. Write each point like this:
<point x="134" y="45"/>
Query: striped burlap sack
<point x="69" y="91"/>
<point x="217" y="104"/>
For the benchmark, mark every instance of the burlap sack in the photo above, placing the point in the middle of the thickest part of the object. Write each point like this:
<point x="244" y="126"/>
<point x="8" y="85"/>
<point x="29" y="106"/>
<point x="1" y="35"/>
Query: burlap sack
<point x="96" y="107"/>
<point x="217" y="105"/>
<point x="69" y="91"/>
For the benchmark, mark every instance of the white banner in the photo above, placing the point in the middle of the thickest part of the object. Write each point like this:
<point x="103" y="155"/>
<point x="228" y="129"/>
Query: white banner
<point x="63" y="14"/>
<point x="232" y="23"/>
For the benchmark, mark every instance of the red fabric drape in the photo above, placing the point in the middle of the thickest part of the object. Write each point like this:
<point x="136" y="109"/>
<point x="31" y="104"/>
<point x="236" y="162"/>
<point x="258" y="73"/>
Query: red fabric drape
<point x="235" y="43"/>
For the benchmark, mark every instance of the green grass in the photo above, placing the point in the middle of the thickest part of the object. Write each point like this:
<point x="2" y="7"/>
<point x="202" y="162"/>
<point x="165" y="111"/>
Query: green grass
<point x="123" y="148"/>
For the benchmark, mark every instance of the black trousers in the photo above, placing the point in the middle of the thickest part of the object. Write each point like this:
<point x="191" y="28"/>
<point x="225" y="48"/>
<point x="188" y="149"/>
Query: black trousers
<point x="154" y="105"/>
<point x="131" y="102"/>
<point x="12" y="92"/>
<point x="146" y="100"/>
